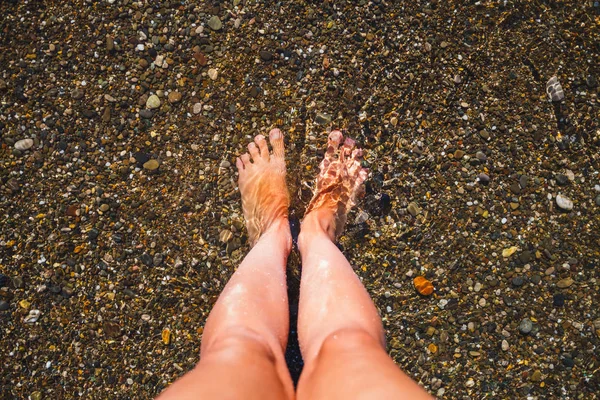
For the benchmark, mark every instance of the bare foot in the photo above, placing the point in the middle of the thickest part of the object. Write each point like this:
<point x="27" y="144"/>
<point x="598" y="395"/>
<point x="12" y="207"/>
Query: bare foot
<point x="265" y="197"/>
<point x="338" y="184"/>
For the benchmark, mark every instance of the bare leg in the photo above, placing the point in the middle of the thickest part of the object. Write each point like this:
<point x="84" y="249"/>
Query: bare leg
<point x="245" y="336"/>
<point x="339" y="328"/>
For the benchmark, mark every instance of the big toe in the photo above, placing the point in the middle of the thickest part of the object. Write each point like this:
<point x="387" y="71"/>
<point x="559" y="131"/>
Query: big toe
<point x="276" y="139"/>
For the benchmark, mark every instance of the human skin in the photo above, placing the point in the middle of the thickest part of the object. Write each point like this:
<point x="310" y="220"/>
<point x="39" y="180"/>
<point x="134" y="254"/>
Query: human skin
<point x="340" y="332"/>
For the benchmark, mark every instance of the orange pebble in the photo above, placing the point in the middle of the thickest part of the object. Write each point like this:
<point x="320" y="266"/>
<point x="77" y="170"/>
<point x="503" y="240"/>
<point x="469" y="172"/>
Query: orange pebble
<point x="423" y="286"/>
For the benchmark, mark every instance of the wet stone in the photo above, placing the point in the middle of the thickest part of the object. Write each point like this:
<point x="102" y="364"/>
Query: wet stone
<point x="413" y="209"/>
<point x="484" y="179"/>
<point x="525" y="256"/>
<point x="24" y="144"/>
<point x="93" y="234"/>
<point x="515" y="188"/>
<point x="265" y="55"/>
<point x="201" y="59"/>
<point x="158" y="259"/>
<point x="565" y="283"/>
<point x="18" y="283"/>
<point x="174" y="97"/>
<point x="323" y="119"/>
<point x="153" y="102"/>
<point x="77" y="94"/>
<point x="4" y="305"/>
<point x="568" y="362"/>
<point x="564" y="203"/>
<point x="215" y="23"/>
<point x="518" y="281"/>
<point x="523" y="181"/>
<point x="151" y="165"/>
<point x="525" y="326"/>
<point x="558" y="300"/>
<point x="561" y="179"/>
<point x="146" y="113"/>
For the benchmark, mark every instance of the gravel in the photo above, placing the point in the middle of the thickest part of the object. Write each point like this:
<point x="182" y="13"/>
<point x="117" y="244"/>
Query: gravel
<point x="450" y="106"/>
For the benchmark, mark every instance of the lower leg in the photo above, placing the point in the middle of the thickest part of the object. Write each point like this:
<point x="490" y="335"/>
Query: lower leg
<point x="244" y="339"/>
<point x="332" y="298"/>
<point x="339" y="328"/>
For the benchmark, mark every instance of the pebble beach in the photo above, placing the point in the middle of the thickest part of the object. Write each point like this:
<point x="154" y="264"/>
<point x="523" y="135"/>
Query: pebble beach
<point x="121" y="222"/>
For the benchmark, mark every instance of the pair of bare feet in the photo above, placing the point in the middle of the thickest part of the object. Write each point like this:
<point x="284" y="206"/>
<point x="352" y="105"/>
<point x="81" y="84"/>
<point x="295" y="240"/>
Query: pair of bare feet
<point x="265" y="197"/>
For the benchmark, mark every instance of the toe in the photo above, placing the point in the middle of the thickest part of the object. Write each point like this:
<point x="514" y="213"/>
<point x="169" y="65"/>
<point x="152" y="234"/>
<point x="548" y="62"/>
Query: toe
<point x="335" y="138"/>
<point x="276" y="139"/>
<point x="262" y="145"/>
<point x="347" y="148"/>
<point x="254" y="151"/>
<point x="245" y="158"/>
<point x="239" y="164"/>
<point x="333" y="142"/>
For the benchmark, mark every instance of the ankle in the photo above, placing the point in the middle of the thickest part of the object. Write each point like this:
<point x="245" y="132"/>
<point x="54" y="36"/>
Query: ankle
<point x="280" y="230"/>
<point x="318" y="223"/>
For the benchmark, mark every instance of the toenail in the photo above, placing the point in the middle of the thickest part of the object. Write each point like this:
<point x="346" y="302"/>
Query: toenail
<point x="275" y="134"/>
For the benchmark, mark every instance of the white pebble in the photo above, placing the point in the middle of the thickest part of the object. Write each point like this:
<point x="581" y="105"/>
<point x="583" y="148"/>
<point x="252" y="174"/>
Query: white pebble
<point x="564" y="202"/>
<point x="505" y="345"/>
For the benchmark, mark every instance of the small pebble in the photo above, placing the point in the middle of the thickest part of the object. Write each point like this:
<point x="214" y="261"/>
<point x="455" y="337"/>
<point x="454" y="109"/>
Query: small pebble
<point x="525" y="326"/>
<point x="153" y="102"/>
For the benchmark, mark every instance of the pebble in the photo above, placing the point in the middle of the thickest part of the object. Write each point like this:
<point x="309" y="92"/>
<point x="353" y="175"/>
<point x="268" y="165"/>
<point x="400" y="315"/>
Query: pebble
<point x="24" y="144"/>
<point x="174" y="97"/>
<point x="509" y="251"/>
<point x="147" y="259"/>
<point x="104" y="207"/>
<point x="146" y="113"/>
<point x="215" y="23"/>
<point x="554" y="89"/>
<point x="151" y="165"/>
<point x="225" y="236"/>
<point x="505" y="345"/>
<point x="197" y="109"/>
<point x="536" y="376"/>
<point x="4" y="305"/>
<point x="525" y="326"/>
<point x="558" y="300"/>
<point x="265" y="55"/>
<point x="561" y="179"/>
<point x="77" y="94"/>
<point x="201" y="58"/>
<point x="323" y="119"/>
<point x="564" y="202"/>
<point x="523" y="181"/>
<point x="470" y="382"/>
<point x="483" y="178"/>
<point x="213" y="74"/>
<point x="153" y="102"/>
<point x="413" y="209"/>
<point x="565" y="283"/>
<point x="110" y="43"/>
<point x="518" y="281"/>
<point x="32" y="317"/>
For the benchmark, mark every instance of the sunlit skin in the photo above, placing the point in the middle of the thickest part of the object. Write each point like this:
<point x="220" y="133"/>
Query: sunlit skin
<point x="340" y="331"/>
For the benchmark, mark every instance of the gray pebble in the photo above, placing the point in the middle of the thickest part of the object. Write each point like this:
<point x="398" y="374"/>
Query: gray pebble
<point x="323" y="119"/>
<point x="525" y="326"/>
<point x="215" y="23"/>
